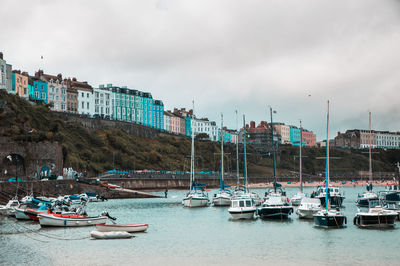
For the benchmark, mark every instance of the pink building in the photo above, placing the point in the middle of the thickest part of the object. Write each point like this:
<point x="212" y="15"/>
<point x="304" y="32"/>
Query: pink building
<point x="309" y="138"/>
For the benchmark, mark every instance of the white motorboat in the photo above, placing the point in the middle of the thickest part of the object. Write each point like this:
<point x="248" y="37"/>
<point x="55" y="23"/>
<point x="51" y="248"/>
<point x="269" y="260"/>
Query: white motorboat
<point x="376" y="216"/>
<point x="70" y="221"/>
<point x="308" y="207"/>
<point x="296" y="199"/>
<point x="130" y="228"/>
<point x="110" y="235"/>
<point x="242" y="208"/>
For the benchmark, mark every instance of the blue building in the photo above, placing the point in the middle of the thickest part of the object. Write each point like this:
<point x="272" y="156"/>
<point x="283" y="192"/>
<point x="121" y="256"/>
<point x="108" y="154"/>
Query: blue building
<point x="147" y="104"/>
<point x="227" y="136"/>
<point x="38" y="90"/>
<point x="188" y="126"/>
<point x="158" y="114"/>
<point x="295" y="136"/>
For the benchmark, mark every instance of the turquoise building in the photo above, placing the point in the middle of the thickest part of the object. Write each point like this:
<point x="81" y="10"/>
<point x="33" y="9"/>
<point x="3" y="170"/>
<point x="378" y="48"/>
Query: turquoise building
<point x="147" y="104"/>
<point x="188" y="126"/>
<point x="38" y="90"/>
<point x="158" y="114"/>
<point x="123" y="103"/>
<point x="295" y="136"/>
<point x="227" y="136"/>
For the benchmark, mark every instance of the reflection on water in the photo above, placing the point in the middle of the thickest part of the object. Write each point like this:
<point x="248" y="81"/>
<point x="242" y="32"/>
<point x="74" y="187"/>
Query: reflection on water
<point x="198" y="236"/>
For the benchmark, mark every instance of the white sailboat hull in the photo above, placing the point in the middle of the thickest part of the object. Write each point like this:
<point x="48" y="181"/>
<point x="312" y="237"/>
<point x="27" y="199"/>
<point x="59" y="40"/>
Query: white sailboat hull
<point x="195" y="202"/>
<point x="50" y="220"/>
<point x="222" y="201"/>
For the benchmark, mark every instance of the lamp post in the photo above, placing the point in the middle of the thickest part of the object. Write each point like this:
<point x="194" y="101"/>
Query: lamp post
<point x="273" y="146"/>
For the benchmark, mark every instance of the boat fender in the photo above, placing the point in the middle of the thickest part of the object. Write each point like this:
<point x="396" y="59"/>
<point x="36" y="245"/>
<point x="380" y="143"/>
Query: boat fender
<point x="355" y="220"/>
<point x="345" y="220"/>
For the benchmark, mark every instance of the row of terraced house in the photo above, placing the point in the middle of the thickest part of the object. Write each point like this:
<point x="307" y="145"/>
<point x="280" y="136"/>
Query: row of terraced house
<point x="122" y="104"/>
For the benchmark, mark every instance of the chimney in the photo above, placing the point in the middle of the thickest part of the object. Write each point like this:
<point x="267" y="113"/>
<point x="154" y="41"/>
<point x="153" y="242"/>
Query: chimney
<point x="252" y="124"/>
<point x="73" y="79"/>
<point x="59" y="77"/>
<point x="1" y="55"/>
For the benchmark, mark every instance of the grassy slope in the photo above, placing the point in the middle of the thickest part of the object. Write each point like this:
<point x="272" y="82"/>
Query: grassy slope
<point x="96" y="151"/>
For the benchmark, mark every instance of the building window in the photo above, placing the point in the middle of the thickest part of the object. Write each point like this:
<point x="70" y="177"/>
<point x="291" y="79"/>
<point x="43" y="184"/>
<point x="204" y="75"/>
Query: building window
<point x="83" y="105"/>
<point x="87" y="105"/>
<point x="83" y="95"/>
<point x="87" y="94"/>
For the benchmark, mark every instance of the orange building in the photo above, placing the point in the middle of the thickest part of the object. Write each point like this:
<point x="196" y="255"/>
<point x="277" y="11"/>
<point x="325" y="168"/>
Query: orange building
<point x="20" y="83"/>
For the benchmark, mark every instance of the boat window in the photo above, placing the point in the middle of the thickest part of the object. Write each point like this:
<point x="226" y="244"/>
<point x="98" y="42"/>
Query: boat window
<point x="337" y="190"/>
<point x="234" y="204"/>
<point x="248" y="203"/>
<point x="330" y="190"/>
<point x="241" y="203"/>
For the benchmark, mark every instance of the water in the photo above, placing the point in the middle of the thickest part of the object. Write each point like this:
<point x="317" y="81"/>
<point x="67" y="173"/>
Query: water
<point x="203" y="236"/>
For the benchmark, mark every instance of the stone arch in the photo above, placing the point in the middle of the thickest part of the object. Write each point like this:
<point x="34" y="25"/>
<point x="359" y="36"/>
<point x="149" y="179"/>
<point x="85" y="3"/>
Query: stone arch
<point x="13" y="165"/>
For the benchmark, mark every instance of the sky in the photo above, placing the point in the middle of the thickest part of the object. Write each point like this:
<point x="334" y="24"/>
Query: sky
<point x="229" y="55"/>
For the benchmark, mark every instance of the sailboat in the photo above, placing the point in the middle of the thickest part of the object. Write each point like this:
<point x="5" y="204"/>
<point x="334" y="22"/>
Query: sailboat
<point x="296" y="199"/>
<point x="243" y="203"/>
<point x="326" y="217"/>
<point x="224" y="195"/>
<point x="276" y="204"/>
<point x="364" y="198"/>
<point x="196" y="197"/>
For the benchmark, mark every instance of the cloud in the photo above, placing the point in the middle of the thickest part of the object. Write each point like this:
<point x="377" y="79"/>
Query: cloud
<point x="226" y="55"/>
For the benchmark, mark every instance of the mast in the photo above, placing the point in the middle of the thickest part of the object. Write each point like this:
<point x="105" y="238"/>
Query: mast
<point x="244" y="151"/>
<point x="370" y="156"/>
<point x="237" y="150"/>
<point x="221" y="179"/>
<point x="301" y="172"/>
<point x="327" y="161"/>
<point x="273" y="149"/>
<point x="192" y="152"/>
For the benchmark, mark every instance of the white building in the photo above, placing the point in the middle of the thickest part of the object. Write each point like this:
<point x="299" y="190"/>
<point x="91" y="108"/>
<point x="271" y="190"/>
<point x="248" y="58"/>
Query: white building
<point x="284" y="132"/>
<point x="204" y="126"/>
<point x="102" y="102"/>
<point x="167" y="122"/>
<point x="387" y="140"/>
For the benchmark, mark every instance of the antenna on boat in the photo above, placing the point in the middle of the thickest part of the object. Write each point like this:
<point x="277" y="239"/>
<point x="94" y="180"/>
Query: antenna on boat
<point x="192" y="151"/>
<point x="244" y="149"/>
<point x="370" y="155"/>
<point x="237" y="149"/>
<point x="222" y="153"/>
<point x="327" y="161"/>
<point x="273" y="149"/>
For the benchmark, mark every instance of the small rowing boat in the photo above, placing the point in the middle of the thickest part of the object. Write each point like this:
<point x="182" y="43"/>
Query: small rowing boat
<point x="110" y="235"/>
<point x="131" y="228"/>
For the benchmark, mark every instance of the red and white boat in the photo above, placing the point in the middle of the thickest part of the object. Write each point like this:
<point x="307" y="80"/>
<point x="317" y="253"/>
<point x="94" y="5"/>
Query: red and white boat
<point x="130" y="228"/>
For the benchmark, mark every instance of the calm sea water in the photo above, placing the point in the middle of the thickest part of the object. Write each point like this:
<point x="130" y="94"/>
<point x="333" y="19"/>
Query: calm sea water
<point x="203" y="236"/>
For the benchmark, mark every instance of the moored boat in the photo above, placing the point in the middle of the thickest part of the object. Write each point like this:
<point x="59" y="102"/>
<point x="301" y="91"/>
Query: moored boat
<point x="275" y="206"/>
<point x="242" y="207"/>
<point x="69" y="221"/>
<point x="376" y="216"/>
<point x="308" y="207"/>
<point x="110" y="235"/>
<point x="328" y="218"/>
<point x="130" y="228"/>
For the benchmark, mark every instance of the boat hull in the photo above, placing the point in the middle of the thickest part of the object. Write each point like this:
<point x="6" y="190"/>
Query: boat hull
<point x="51" y="220"/>
<point x="375" y="221"/>
<point x="195" y="202"/>
<point x="329" y="221"/>
<point x="222" y="201"/>
<point x="242" y="214"/>
<point x="130" y="228"/>
<point x="306" y="214"/>
<point x="20" y="214"/>
<point x="275" y="212"/>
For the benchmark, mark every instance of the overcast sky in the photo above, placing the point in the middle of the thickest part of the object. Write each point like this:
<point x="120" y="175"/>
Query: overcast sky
<point x="226" y="55"/>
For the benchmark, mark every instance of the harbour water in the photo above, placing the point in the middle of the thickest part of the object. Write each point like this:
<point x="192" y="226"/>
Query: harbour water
<point x="202" y="236"/>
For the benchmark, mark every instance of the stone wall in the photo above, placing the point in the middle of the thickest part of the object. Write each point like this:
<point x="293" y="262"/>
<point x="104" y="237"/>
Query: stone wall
<point x="32" y="157"/>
